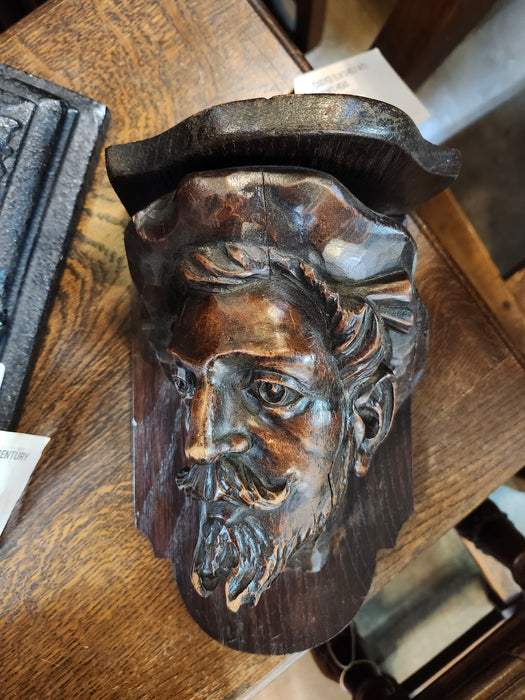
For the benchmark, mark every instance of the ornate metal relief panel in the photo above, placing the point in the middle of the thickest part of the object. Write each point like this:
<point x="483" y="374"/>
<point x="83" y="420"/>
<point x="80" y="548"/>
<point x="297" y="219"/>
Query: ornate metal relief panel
<point x="48" y="138"/>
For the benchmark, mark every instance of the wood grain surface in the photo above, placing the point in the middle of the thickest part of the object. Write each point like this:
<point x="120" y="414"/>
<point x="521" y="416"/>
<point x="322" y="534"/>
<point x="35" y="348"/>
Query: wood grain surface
<point x="515" y="285"/>
<point x="86" y="609"/>
<point x="459" y="238"/>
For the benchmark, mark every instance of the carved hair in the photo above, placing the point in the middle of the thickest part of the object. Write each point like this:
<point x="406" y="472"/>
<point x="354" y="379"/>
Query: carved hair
<point x="224" y="227"/>
<point x="359" y="344"/>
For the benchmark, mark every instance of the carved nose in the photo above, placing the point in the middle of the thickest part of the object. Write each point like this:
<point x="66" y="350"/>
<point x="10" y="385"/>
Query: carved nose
<point x="212" y="432"/>
<point x="201" y="449"/>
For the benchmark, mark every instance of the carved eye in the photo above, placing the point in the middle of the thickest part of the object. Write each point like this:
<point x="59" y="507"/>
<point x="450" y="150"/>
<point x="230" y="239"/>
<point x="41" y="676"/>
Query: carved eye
<point x="182" y="382"/>
<point x="271" y="392"/>
<point x="181" y="385"/>
<point x="273" y="395"/>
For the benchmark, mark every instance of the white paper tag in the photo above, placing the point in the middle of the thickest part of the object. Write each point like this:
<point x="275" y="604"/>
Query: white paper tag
<point x="367" y="75"/>
<point x="2" y="372"/>
<point x="19" y="454"/>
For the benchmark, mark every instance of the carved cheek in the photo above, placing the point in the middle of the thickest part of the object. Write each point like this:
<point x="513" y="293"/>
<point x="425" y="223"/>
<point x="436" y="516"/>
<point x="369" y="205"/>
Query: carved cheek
<point x="305" y="444"/>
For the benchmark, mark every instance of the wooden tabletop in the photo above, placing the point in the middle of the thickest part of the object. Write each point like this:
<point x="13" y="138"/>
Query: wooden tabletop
<point x="85" y="608"/>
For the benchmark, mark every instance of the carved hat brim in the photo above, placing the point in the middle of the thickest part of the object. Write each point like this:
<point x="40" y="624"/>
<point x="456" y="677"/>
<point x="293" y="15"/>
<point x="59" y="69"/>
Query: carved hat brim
<point x="371" y="147"/>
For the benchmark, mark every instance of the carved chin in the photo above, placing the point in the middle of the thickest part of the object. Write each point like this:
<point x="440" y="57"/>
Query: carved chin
<point x="240" y="553"/>
<point x="245" y="553"/>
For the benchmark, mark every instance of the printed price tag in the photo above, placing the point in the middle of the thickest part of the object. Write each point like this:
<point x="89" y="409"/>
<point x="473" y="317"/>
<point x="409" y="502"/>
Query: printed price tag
<point x="367" y="75"/>
<point x="19" y="454"/>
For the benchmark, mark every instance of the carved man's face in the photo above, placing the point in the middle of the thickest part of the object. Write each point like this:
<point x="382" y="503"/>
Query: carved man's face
<point x="266" y="429"/>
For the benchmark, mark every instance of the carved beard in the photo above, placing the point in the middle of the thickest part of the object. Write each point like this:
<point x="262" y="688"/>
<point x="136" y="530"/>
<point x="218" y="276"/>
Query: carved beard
<point x="241" y="541"/>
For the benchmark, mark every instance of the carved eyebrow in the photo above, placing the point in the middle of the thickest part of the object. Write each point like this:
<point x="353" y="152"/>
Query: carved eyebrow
<point x="175" y="363"/>
<point x="285" y="365"/>
<point x="292" y="358"/>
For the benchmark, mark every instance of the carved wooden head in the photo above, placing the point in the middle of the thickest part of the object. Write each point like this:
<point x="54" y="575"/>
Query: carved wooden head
<point x="284" y="313"/>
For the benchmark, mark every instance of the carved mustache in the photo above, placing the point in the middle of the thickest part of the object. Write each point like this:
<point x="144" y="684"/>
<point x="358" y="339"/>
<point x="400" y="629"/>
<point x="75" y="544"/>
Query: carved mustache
<point x="234" y="482"/>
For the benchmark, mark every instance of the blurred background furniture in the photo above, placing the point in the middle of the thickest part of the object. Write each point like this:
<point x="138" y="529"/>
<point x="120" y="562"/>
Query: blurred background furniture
<point x="415" y="39"/>
<point x="487" y="662"/>
<point x="418" y="36"/>
<point x="13" y="10"/>
<point x="306" y="26"/>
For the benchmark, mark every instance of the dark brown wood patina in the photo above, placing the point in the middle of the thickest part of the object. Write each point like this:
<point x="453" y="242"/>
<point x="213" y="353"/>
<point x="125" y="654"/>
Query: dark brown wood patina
<point x="283" y="310"/>
<point x="372" y="148"/>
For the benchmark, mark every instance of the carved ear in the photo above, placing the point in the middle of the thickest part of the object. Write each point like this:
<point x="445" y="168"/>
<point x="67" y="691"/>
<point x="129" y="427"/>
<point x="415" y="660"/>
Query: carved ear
<point x="373" y="412"/>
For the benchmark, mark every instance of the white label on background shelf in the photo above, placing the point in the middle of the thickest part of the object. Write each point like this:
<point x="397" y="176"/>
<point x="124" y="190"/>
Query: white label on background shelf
<point x="367" y="75"/>
<point x="19" y="454"/>
<point x="2" y="372"/>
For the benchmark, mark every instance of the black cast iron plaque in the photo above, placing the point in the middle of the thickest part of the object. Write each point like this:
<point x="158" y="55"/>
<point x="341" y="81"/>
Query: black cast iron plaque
<point x="49" y="140"/>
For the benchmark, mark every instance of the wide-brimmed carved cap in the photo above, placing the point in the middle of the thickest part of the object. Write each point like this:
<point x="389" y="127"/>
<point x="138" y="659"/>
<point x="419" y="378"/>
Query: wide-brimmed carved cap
<point x="371" y="147"/>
